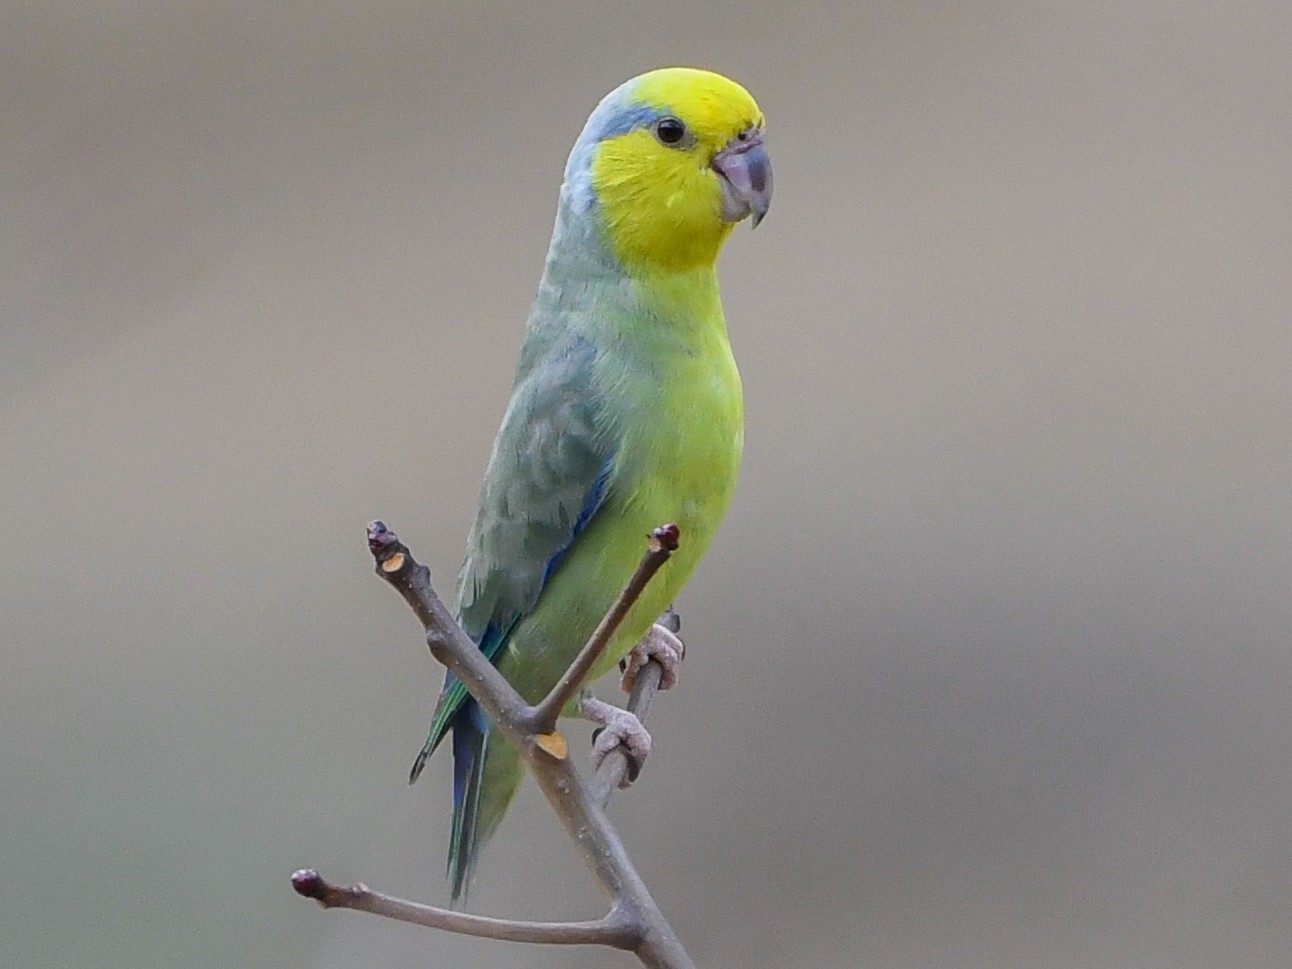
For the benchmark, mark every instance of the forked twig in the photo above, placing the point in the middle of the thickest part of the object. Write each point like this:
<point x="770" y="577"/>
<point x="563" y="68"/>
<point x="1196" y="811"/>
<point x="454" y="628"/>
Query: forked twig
<point x="613" y="930"/>
<point x="634" y="921"/>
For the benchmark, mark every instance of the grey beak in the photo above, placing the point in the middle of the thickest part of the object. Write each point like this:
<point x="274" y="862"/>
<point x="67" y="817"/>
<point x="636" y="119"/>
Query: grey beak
<point x="746" y="173"/>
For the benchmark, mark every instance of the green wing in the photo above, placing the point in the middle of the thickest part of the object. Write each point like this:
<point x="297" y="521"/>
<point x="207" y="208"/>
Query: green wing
<point x="547" y="477"/>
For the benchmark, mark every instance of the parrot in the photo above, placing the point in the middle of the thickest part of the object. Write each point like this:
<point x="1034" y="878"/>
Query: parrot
<point x="626" y="413"/>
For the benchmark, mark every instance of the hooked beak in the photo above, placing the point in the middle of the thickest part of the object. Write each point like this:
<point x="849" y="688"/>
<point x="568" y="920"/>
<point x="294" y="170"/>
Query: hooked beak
<point x="746" y="174"/>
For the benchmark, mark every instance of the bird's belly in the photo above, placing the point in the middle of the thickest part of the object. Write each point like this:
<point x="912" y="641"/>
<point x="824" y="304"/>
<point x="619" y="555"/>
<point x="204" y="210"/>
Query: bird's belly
<point x="680" y="468"/>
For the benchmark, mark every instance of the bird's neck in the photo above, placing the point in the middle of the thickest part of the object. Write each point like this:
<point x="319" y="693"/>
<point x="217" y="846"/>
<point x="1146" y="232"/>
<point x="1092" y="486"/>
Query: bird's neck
<point x="584" y="277"/>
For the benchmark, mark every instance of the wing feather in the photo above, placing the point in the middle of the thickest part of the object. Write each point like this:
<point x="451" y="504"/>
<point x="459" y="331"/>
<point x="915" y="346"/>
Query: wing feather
<point x="548" y="475"/>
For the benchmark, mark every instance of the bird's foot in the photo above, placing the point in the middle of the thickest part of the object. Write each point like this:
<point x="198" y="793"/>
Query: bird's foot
<point x="660" y="644"/>
<point x="617" y="726"/>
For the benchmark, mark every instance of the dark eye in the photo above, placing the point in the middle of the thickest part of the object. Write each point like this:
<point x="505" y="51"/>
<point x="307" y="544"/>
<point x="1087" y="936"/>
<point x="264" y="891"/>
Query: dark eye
<point x="670" y="131"/>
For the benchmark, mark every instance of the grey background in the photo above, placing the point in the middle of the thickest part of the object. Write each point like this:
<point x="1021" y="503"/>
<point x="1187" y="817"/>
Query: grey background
<point x="990" y="662"/>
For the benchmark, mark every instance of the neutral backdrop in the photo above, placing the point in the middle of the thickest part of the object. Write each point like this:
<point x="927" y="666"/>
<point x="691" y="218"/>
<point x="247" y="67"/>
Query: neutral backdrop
<point x="990" y="663"/>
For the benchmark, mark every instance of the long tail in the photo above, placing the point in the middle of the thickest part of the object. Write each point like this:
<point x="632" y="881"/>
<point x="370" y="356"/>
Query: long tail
<point x="487" y="773"/>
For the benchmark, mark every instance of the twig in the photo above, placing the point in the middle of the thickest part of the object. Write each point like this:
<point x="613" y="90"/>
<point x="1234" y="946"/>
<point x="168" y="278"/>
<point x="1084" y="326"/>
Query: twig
<point x="633" y="910"/>
<point x="663" y="543"/>
<point x="612" y="930"/>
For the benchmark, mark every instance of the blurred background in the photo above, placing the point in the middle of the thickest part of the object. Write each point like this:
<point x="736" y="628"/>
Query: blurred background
<point x="990" y="664"/>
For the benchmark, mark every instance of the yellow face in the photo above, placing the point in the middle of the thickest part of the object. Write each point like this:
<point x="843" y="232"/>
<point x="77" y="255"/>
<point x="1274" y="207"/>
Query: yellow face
<point x="665" y="200"/>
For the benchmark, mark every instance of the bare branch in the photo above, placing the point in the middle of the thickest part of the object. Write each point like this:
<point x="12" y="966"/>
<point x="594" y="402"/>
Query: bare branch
<point x="544" y="751"/>
<point x="614" y="930"/>
<point x="663" y="543"/>
<point x="445" y="638"/>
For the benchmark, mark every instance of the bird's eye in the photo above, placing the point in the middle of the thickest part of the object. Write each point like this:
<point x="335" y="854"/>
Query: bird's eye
<point x="670" y="131"/>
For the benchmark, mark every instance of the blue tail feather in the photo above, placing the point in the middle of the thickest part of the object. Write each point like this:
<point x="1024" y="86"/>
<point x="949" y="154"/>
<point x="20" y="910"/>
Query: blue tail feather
<point x="470" y="733"/>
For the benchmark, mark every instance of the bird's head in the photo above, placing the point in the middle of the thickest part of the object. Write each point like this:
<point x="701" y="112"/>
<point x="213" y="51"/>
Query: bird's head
<point x="667" y="164"/>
